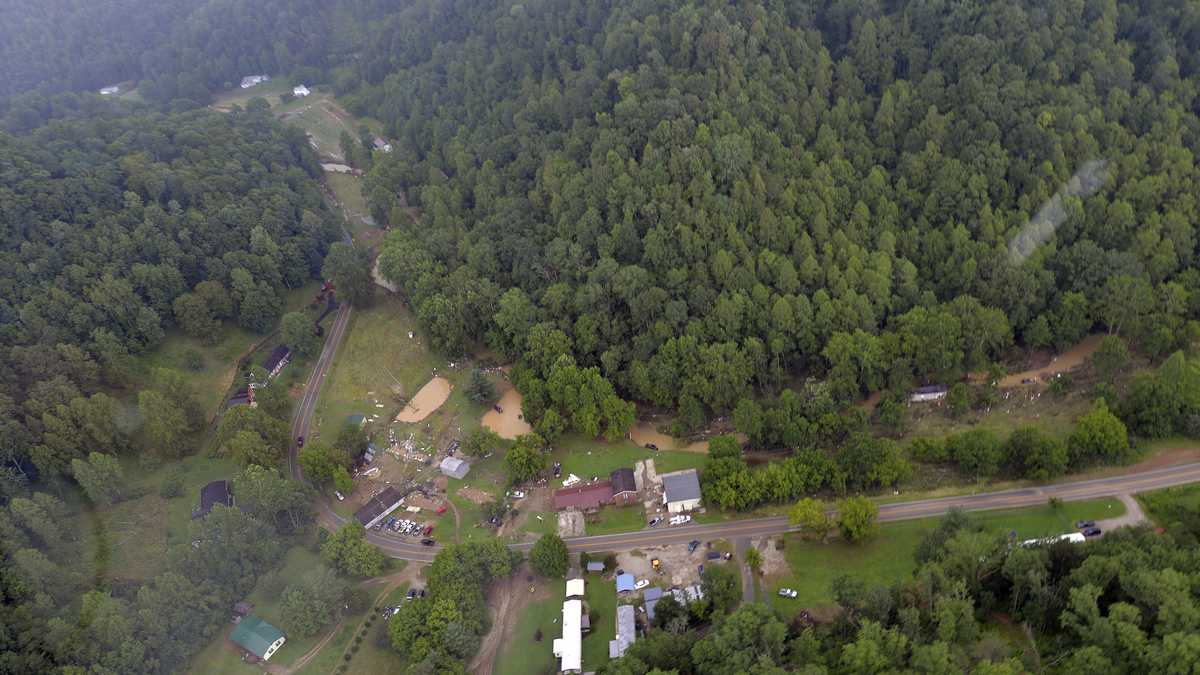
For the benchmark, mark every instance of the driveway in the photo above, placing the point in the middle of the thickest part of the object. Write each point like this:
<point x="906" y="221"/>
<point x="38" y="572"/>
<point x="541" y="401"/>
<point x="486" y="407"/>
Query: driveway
<point x="1133" y="515"/>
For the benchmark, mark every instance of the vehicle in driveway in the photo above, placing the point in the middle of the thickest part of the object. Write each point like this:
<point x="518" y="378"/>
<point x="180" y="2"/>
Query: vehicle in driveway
<point x="787" y="593"/>
<point x="641" y="583"/>
<point x="299" y="441"/>
<point x="1084" y="524"/>
<point x="516" y="494"/>
<point x="714" y="555"/>
<point x="412" y="593"/>
<point x="655" y="521"/>
<point x="428" y="542"/>
<point x="651" y="446"/>
<point x="339" y="495"/>
<point x="1091" y="532"/>
<point x="428" y="530"/>
<point x="702" y="570"/>
<point x="693" y="545"/>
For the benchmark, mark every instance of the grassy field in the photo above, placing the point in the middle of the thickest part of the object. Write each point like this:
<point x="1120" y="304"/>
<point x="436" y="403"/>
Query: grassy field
<point x="370" y="656"/>
<point x="602" y="604"/>
<point x="218" y="360"/>
<point x="586" y="457"/>
<point x="1163" y="505"/>
<point x="889" y="556"/>
<point x="524" y="655"/>
<point x="618" y="519"/>
<point x="238" y="96"/>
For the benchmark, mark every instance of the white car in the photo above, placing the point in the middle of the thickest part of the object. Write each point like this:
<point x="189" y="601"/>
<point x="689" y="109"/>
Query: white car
<point x="787" y="593"/>
<point x="642" y="583"/>
<point x="571" y="480"/>
<point x="339" y="495"/>
<point x="516" y="494"/>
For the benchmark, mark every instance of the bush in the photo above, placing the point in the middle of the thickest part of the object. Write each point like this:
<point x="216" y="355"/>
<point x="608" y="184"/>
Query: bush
<point x="354" y="649"/>
<point x="358" y="639"/>
<point x="172" y="485"/>
<point x="193" y="360"/>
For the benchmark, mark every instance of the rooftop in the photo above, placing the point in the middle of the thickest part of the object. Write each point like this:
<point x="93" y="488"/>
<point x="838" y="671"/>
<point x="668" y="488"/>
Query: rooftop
<point x="379" y="505"/>
<point x="681" y="485"/>
<point x="216" y="492"/>
<point x="455" y="467"/>
<point x="587" y="496"/>
<point x="255" y="635"/>
<point x="626" y="632"/>
<point x="276" y="357"/>
<point x="622" y="481"/>
<point x="569" y="648"/>
<point x="575" y="588"/>
<point x="624" y="582"/>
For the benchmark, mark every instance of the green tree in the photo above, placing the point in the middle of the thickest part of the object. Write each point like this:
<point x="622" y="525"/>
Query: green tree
<point x="480" y="389"/>
<point x="348" y="551"/>
<point x="525" y="459"/>
<point x="481" y="441"/>
<point x="1099" y="436"/>
<point x="195" y="317"/>
<point x="296" y="331"/>
<point x="1032" y="453"/>
<point x="722" y="589"/>
<point x="350" y="270"/>
<point x="312" y="603"/>
<point x="165" y="424"/>
<point x="549" y="556"/>
<point x="342" y="481"/>
<point x="1110" y="357"/>
<point x="100" y="476"/>
<point x="856" y="518"/>
<point x="810" y="515"/>
<point x="272" y="498"/>
<point x="754" y="560"/>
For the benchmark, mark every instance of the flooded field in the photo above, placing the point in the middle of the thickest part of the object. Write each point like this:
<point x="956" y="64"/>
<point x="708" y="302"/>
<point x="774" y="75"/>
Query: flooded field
<point x="1068" y="360"/>
<point x="430" y="398"/>
<point x="644" y="433"/>
<point x="510" y="423"/>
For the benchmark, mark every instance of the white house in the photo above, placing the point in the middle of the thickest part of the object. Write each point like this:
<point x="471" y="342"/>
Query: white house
<point x="300" y="91"/>
<point x="254" y="80"/>
<point x="110" y="91"/>
<point x="575" y="588"/>
<point x="933" y="392"/>
<point x="681" y="490"/>
<point x="569" y="648"/>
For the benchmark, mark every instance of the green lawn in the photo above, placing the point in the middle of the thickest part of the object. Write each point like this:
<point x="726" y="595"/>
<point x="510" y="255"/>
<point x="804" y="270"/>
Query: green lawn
<point x="370" y="657"/>
<point x="524" y="655"/>
<point x="586" y="457"/>
<point x="618" y="519"/>
<point x="1163" y="506"/>
<point x="889" y="556"/>
<point x="602" y="605"/>
<point x="238" y="96"/>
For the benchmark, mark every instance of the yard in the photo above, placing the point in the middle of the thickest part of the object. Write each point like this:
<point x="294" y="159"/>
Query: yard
<point x="523" y="655"/>
<point x="586" y="457"/>
<point x="888" y="557"/>
<point x="1164" y="506"/>
<point x="613" y="519"/>
<point x="601" y="594"/>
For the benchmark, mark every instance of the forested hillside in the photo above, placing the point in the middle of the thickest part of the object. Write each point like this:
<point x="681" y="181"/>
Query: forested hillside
<point x="115" y="228"/>
<point x="706" y="202"/>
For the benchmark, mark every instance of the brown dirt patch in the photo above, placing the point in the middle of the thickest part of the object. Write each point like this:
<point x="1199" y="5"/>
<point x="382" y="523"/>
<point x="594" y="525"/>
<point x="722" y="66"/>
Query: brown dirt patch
<point x="508" y="598"/>
<point x="476" y="496"/>
<point x="510" y="423"/>
<point x="418" y="499"/>
<point x="428" y="399"/>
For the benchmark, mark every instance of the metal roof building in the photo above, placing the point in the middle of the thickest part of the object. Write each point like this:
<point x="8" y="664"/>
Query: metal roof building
<point x="624" y="582"/>
<point x="626" y="632"/>
<point x="585" y="497"/>
<point x="455" y="467"/>
<point x="569" y="648"/>
<point x="377" y="507"/>
<point x="258" y="637"/>
<point x="681" y="490"/>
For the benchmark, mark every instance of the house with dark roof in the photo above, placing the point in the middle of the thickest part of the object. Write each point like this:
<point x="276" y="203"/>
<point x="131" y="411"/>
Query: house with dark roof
<point x="681" y="490"/>
<point x="378" y="507"/>
<point x="624" y="487"/>
<point x="216" y="492"/>
<point x="652" y="596"/>
<point x="258" y="637"/>
<point x="243" y="396"/>
<point x="277" y="359"/>
<point x="587" y="497"/>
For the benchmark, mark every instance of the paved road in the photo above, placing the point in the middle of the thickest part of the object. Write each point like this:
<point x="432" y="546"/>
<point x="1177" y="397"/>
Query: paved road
<point x="407" y="549"/>
<point x="302" y="418"/>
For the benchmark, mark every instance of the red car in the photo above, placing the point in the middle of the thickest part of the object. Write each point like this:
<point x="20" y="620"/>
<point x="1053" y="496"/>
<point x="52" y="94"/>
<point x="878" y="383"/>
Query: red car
<point x="441" y="509"/>
<point x="428" y="530"/>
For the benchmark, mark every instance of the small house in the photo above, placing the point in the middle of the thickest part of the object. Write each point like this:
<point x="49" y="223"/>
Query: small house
<point x="652" y="596"/>
<point x="216" y="492"/>
<point x="276" y="360"/>
<point x="624" y="487"/>
<point x="587" y="497"/>
<point x="110" y="91"/>
<point x="575" y="588"/>
<point x="625" y="583"/>
<point x="254" y="80"/>
<point x="258" y="637"/>
<point x="681" y="490"/>
<point x="243" y="396"/>
<point x="300" y="91"/>
<point x="933" y="392"/>
<point x="383" y="146"/>
<point x="454" y="467"/>
<point x="378" y="507"/>
<point x="595" y="566"/>
<point x="626" y="632"/>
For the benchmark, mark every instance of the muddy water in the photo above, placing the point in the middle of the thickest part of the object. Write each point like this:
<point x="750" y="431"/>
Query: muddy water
<point x="644" y="432"/>
<point x="510" y="423"/>
<point x="1072" y="358"/>
<point x="430" y="398"/>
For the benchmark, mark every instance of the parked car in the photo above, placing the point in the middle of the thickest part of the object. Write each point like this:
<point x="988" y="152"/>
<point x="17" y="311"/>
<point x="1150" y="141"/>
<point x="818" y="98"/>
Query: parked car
<point x="787" y="593"/>
<point x="412" y="593"/>
<point x="702" y="569"/>
<point x="299" y="441"/>
<point x="714" y="555"/>
<point x="339" y="495"/>
<point x="498" y="409"/>
<point x="428" y="530"/>
<point x="655" y="521"/>
<point x="1084" y="524"/>
<point x="428" y="542"/>
<point x="441" y="509"/>
<point x="1091" y="532"/>
<point x="641" y="583"/>
<point x="516" y="494"/>
<point x="651" y="446"/>
<point x="693" y="545"/>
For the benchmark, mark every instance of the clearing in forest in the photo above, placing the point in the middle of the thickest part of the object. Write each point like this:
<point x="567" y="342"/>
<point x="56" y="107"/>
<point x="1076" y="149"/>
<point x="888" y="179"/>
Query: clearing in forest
<point x="508" y="422"/>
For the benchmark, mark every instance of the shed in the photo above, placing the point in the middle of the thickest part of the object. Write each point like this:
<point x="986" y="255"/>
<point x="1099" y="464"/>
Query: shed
<point x="933" y="392"/>
<point x="624" y="487"/>
<point x="625" y="583"/>
<point x="277" y="359"/>
<point x="216" y="492"/>
<point x="378" y="507"/>
<point x="595" y="566"/>
<point x="300" y="91"/>
<point x="455" y="467"/>
<point x="681" y="490"/>
<point x="110" y="91"/>
<point x="575" y="588"/>
<point x="586" y="497"/>
<point x="626" y="632"/>
<point x="258" y="637"/>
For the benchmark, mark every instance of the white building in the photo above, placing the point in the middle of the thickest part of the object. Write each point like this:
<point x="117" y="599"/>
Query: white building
<point x="681" y="491"/>
<point x="575" y="588"/>
<point x="454" y="467"/>
<point x="934" y="392"/>
<point x="110" y="91"/>
<point x="300" y="91"/>
<point x="569" y="648"/>
<point x="254" y="80"/>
